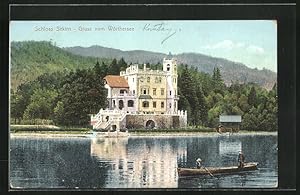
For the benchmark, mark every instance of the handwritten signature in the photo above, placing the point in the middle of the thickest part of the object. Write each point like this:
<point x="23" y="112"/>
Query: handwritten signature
<point x="161" y="27"/>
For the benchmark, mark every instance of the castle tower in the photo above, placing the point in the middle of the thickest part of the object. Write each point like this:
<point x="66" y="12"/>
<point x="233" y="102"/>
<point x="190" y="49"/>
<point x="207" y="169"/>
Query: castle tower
<point x="170" y="66"/>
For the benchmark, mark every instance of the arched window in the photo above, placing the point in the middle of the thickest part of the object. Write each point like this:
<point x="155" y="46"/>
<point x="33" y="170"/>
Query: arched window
<point x="130" y="103"/>
<point x="168" y="67"/>
<point x="145" y="104"/>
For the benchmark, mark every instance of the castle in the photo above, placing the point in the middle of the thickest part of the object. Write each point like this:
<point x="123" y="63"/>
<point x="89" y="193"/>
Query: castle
<point x="142" y="98"/>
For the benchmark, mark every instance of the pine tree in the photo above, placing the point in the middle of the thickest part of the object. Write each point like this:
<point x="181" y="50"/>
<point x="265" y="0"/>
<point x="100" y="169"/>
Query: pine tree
<point x="114" y="69"/>
<point x="100" y="70"/>
<point x="217" y="75"/>
<point x="188" y="90"/>
<point x="202" y="105"/>
<point x="252" y="101"/>
<point x="122" y="64"/>
<point x="218" y="83"/>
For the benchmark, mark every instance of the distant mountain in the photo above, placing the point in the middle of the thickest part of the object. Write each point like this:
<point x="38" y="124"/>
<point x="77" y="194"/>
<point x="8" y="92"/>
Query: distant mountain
<point x="29" y="59"/>
<point x="231" y="71"/>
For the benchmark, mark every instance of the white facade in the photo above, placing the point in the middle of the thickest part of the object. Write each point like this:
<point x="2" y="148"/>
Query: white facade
<point x="143" y="91"/>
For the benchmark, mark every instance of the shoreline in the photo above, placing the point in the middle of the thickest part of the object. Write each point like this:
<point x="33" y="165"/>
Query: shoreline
<point x="137" y="134"/>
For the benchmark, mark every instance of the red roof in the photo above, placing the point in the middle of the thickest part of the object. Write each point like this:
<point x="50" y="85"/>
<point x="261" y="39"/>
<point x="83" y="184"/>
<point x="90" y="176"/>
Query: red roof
<point x="116" y="81"/>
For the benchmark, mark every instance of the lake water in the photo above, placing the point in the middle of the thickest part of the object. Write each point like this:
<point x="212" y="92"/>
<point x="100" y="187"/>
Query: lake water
<point x="139" y="162"/>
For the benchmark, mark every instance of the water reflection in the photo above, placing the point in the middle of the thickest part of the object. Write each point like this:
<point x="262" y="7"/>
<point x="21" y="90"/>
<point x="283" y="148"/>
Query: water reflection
<point x="146" y="162"/>
<point x="138" y="162"/>
<point x="228" y="151"/>
<point x="229" y="147"/>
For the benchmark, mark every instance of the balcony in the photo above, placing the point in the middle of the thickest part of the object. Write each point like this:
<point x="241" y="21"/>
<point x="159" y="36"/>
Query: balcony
<point x="122" y="95"/>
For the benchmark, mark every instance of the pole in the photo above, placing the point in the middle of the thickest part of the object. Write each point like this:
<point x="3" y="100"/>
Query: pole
<point x="208" y="172"/>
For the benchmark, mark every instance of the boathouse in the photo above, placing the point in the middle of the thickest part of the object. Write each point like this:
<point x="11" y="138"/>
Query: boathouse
<point x="231" y="122"/>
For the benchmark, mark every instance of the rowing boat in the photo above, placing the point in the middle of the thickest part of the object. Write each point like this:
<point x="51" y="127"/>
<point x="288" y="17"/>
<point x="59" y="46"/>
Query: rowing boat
<point x="216" y="170"/>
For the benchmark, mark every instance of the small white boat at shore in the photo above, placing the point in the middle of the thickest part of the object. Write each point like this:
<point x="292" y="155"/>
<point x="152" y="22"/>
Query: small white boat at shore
<point x="110" y="134"/>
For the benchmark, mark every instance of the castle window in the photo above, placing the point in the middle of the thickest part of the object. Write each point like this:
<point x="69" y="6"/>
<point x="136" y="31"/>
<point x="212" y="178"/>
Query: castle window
<point x="122" y="91"/>
<point x="170" y="105"/>
<point x="170" y="92"/>
<point x="145" y="104"/>
<point x="133" y="91"/>
<point x="130" y="103"/>
<point x="148" y="79"/>
<point x="157" y="79"/>
<point x="154" y="91"/>
<point x="162" y="91"/>
<point x="168" y="67"/>
<point x="121" y="104"/>
<point x="162" y="104"/>
<point x="154" y="104"/>
<point x="144" y="91"/>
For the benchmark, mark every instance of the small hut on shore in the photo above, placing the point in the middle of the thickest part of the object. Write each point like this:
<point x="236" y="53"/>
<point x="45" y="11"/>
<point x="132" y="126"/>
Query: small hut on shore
<point x="229" y="123"/>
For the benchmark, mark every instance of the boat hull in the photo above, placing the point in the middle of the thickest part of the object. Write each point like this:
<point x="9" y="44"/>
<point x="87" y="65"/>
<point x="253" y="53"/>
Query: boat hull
<point x="216" y="170"/>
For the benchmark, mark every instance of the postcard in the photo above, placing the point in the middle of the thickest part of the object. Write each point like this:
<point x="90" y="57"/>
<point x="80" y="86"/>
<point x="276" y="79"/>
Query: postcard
<point x="131" y="104"/>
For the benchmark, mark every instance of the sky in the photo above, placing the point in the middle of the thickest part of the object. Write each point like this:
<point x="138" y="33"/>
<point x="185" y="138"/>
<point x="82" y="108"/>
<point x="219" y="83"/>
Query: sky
<point x="251" y="42"/>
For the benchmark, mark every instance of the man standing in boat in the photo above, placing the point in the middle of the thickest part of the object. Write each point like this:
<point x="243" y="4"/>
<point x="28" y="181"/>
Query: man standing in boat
<point x="198" y="163"/>
<point x="241" y="160"/>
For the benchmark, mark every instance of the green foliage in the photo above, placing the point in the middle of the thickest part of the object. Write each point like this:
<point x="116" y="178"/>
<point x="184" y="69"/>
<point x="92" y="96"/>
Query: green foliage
<point x="82" y="94"/>
<point x="30" y="59"/>
<point x="101" y="70"/>
<point x="69" y="95"/>
<point x="15" y="104"/>
<point x="206" y="98"/>
<point x="252" y="97"/>
<point x="41" y="104"/>
<point x="65" y="97"/>
<point x="58" y="115"/>
<point x="217" y="82"/>
<point x="114" y="68"/>
<point x="188" y="91"/>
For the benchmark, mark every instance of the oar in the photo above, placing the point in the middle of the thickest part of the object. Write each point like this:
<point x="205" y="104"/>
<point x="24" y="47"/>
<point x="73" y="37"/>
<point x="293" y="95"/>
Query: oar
<point x="208" y="172"/>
